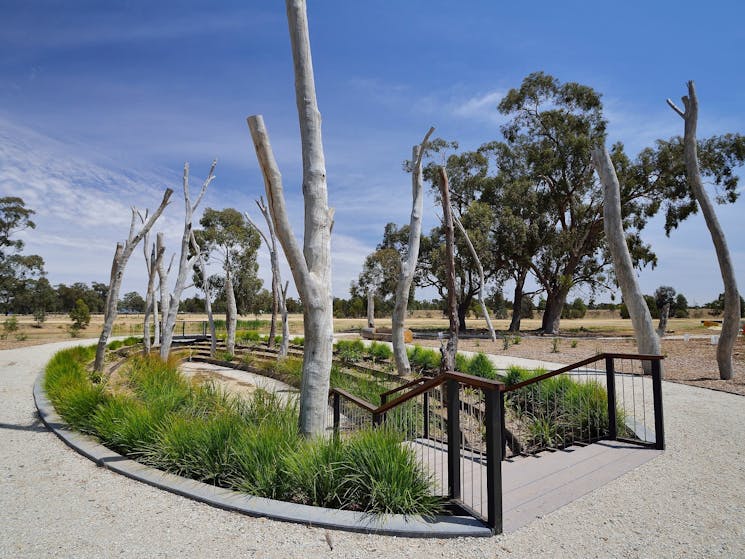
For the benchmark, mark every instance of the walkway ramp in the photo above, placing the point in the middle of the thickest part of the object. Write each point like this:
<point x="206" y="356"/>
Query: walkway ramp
<point x="534" y="486"/>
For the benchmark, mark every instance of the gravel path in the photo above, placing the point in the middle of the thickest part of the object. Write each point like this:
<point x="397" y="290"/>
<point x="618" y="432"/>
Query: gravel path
<point x="690" y="502"/>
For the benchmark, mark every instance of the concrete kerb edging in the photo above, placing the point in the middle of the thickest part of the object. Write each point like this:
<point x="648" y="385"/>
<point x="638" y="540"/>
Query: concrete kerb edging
<point x="393" y="525"/>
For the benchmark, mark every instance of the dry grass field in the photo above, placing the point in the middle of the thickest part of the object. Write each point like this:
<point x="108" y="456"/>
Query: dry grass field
<point x="690" y="361"/>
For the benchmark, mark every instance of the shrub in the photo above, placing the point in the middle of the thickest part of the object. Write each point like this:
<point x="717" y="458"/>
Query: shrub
<point x="426" y="360"/>
<point x="298" y="341"/>
<point x="380" y="351"/>
<point x="349" y="351"/>
<point x="248" y="336"/>
<point x="461" y="362"/>
<point x="481" y="366"/>
<point x="80" y="315"/>
<point x="10" y="325"/>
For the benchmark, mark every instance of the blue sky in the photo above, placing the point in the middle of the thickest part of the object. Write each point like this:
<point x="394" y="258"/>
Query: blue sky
<point x="102" y="102"/>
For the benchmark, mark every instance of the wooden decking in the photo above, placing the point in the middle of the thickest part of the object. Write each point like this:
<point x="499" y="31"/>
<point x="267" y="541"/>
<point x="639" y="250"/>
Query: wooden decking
<point x="536" y="485"/>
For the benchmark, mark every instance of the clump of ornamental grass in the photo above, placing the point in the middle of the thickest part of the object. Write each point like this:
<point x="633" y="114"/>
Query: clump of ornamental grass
<point x="204" y="433"/>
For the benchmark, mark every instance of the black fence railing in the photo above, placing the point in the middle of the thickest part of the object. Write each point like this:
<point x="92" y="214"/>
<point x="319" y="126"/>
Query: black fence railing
<point x="462" y="427"/>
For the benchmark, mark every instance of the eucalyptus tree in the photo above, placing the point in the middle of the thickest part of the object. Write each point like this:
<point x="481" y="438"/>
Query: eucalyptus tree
<point x="18" y="271"/>
<point x="311" y="265"/>
<point x="232" y="242"/>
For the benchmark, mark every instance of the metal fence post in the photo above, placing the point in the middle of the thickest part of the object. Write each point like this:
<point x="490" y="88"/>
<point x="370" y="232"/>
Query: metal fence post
<point x="494" y="425"/>
<point x="659" y="421"/>
<point x="610" y="384"/>
<point x="453" y="430"/>
<point x="337" y="413"/>
<point x="426" y="416"/>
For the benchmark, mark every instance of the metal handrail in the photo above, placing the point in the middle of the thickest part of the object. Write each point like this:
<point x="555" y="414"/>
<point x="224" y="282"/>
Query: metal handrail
<point x="593" y="359"/>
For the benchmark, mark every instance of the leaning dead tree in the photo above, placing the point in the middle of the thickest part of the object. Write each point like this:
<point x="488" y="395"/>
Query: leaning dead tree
<point x="646" y="338"/>
<point x="271" y="245"/>
<point x="278" y="294"/>
<point x="731" y="317"/>
<point x="451" y="347"/>
<point x="121" y="257"/>
<point x="201" y="267"/>
<point x="408" y="264"/>
<point x="311" y="265"/>
<point x="152" y="261"/>
<point x="187" y="260"/>
<point x="480" y="269"/>
<point x="163" y="273"/>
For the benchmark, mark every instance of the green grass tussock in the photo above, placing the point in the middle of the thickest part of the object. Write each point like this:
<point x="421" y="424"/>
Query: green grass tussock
<point x="207" y="434"/>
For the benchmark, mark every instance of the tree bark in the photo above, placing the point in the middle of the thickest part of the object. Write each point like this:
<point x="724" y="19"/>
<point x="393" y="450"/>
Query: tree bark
<point x="408" y="266"/>
<point x="517" y="301"/>
<point x="482" y="281"/>
<point x="271" y="245"/>
<point x="121" y="257"/>
<point x="646" y="338"/>
<point x="370" y="307"/>
<point x="207" y="294"/>
<point x="555" y="301"/>
<point x="451" y="347"/>
<point x="285" y="345"/>
<point x="152" y="261"/>
<point x="731" y="316"/>
<point x="231" y="313"/>
<point x="186" y="263"/>
<point x="311" y="267"/>
<point x="664" y="315"/>
<point x="163" y="288"/>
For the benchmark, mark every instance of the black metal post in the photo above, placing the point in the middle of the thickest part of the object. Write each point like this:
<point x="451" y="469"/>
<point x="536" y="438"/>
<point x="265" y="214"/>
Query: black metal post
<point x="610" y="384"/>
<point x="337" y="413"/>
<point x="453" y="428"/>
<point x="504" y="425"/>
<point x="383" y="399"/>
<point x="426" y="416"/>
<point x="183" y="328"/>
<point x="659" y="421"/>
<point x="377" y="418"/>
<point x="494" y="407"/>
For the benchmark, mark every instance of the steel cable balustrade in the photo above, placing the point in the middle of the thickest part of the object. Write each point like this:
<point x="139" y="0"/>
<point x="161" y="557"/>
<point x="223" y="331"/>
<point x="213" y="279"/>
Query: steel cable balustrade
<point x="460" y="427"/>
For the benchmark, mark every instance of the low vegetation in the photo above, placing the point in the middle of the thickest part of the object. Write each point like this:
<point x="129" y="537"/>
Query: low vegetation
<point x="159" y="418"/>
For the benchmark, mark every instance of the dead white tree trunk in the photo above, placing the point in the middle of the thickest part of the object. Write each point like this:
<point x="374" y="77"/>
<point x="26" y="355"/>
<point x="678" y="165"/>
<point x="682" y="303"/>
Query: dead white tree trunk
<point x="311" y="266"/>
<point x="163" y="288"/>
<point x="186" y="263"/>
<point x="207" y="290"/>
<point x="731" y="316"/>
<point x="482" y="280"/>
<point x="271" y="245"/>
<point x="152" y="261"/>
<point x="285" y="345"/>
<point x="121" y="257"/>
<point x="408" y="265"/>
<point x="370" y="307"/>
<point x="646" y="338"/>
<point x="451" y="348"/>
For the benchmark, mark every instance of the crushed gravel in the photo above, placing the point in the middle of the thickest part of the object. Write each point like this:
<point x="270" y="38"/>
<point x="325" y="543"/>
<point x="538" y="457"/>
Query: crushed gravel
<point x="690" y="502"/>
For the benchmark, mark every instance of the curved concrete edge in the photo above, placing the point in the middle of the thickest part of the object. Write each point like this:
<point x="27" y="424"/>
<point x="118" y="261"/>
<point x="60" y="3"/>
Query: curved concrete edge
<point x="392" y="525"/>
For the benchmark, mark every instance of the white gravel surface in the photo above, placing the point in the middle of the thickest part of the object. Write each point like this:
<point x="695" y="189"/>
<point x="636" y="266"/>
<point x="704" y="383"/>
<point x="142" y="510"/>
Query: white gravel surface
<point x="690" y="502"/>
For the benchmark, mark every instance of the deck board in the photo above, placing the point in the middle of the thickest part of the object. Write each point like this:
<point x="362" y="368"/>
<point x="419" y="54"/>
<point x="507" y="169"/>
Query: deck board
<point x="534" y="486"/>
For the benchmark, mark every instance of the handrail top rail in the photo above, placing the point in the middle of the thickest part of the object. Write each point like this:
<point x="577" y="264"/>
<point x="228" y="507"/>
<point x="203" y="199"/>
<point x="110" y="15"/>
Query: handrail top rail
<point x="428" y="384"/>
<point x="593" y="359"/>
<point x="364" y="404"/>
